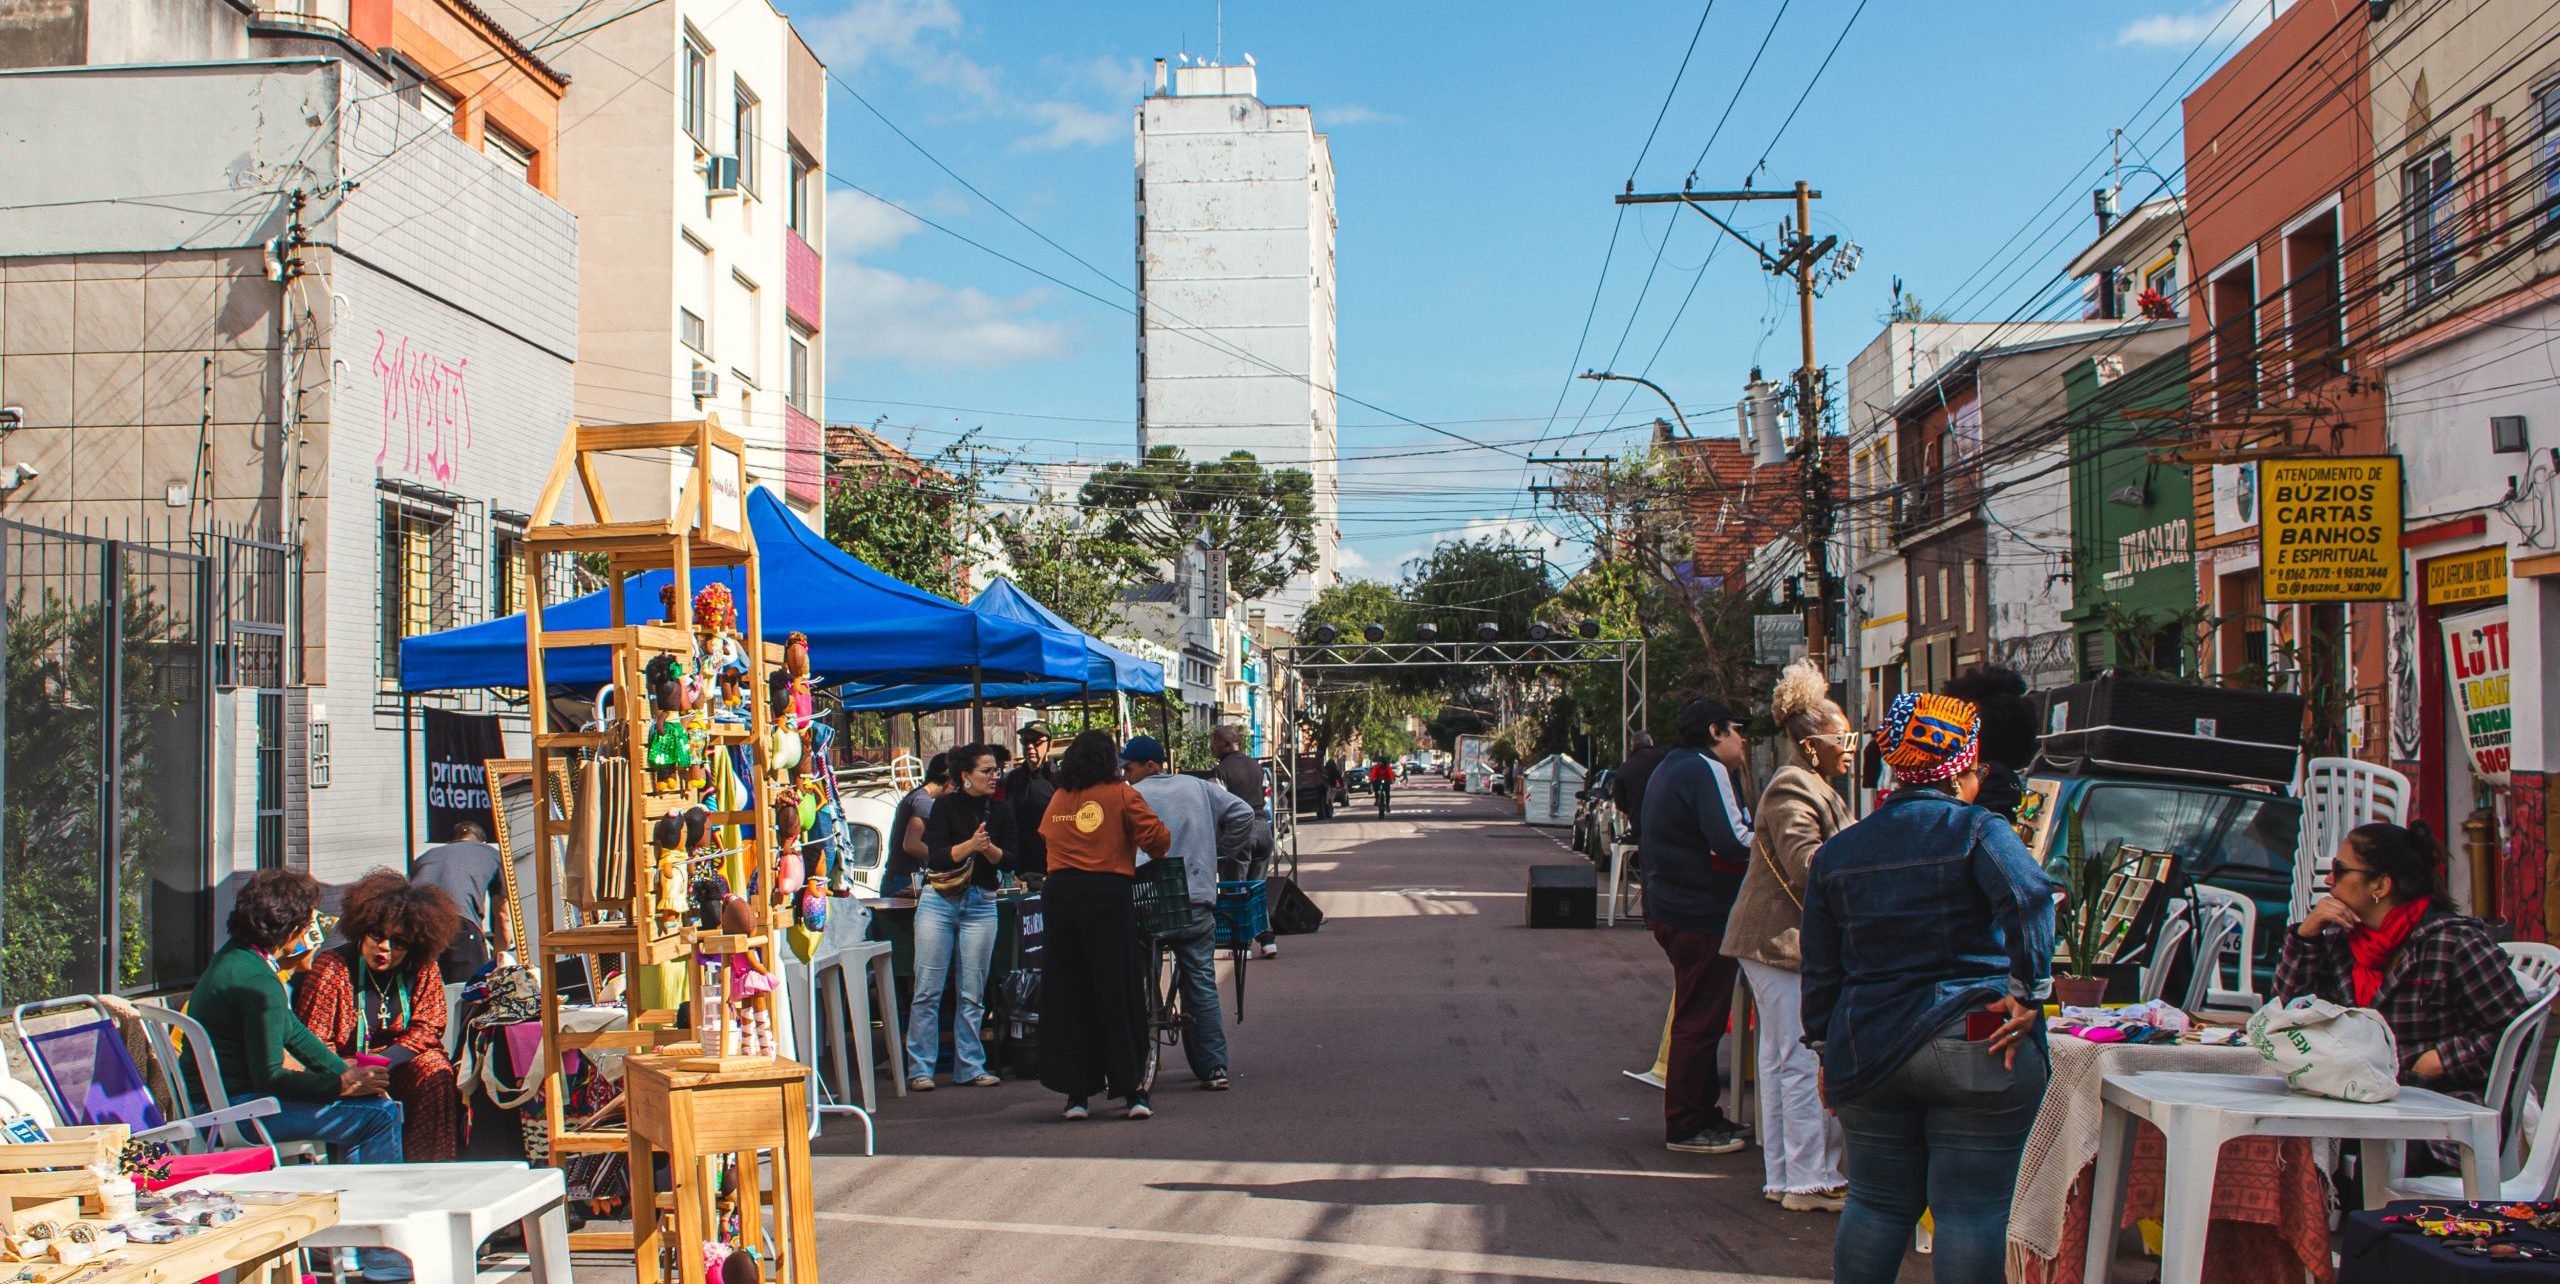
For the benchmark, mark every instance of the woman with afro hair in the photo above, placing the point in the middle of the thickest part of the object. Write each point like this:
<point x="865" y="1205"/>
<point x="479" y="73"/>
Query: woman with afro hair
<point x="381" y="994"/>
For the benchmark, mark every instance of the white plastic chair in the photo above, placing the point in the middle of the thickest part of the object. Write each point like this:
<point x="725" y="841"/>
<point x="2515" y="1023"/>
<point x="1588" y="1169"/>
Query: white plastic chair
<point x="835" y="972"/>
<point x="1621" y="863"/>
<point x="2240" y="944"/>
<point x="2536" y="965"/>
<point x="2165" y="947"/>
<point x="2528" y="1165"/>
<point x="173" y="1037"/>
<point x="2337" y="795"/>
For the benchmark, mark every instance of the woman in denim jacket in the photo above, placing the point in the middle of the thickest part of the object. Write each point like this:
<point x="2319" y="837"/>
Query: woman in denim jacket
<point x="1925" y="913"/>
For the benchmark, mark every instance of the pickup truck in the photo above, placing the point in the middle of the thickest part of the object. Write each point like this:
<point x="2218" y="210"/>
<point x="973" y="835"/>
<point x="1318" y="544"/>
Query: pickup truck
<point x="2238" y="839"/>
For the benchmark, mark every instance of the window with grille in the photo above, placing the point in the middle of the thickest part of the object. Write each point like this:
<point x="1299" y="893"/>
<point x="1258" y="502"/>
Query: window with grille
<point x="427" y="568"/>
<point x="2427" y="215"/>
<point x="506" y="570"/>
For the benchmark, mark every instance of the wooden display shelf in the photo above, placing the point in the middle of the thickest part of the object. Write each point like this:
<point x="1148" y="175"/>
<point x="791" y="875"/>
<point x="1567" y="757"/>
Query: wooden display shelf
<point x="616" y="938"/>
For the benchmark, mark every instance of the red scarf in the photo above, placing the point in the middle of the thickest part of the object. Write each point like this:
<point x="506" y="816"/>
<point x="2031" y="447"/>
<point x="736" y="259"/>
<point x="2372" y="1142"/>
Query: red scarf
<point x="2373" y="948"/>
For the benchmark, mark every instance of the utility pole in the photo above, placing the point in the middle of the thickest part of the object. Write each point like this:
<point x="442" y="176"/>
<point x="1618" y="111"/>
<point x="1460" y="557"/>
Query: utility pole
<point x="1796" y="255"/>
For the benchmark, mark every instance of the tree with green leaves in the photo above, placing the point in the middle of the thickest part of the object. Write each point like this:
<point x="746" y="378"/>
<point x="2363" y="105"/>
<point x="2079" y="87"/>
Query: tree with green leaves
<point x="913" y="519"/>
<point x="1370" y="705"/>
<point x="1067" y="565"/>
<point x="1263" y="519"/>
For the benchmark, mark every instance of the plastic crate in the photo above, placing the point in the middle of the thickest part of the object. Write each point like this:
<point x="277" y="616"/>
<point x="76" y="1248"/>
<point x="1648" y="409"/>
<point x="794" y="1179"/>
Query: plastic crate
<point x="1163" y="898"/>
<point x="1244" y="911"/>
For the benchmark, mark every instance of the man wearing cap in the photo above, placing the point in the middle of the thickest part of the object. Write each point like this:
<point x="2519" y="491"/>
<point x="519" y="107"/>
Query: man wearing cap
<point x="1027" y="789"/>
<point x="1697" y="847"/>
<point x="1208" y="825"/>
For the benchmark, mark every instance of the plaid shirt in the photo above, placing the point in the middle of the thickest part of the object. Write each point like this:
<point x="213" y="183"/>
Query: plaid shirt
<point x="2450" y="989"/>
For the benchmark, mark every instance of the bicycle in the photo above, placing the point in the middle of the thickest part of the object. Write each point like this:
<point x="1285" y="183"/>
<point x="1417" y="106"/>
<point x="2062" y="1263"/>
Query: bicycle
<point x="1164" y="920"/>
<point x="1382" y="789"/>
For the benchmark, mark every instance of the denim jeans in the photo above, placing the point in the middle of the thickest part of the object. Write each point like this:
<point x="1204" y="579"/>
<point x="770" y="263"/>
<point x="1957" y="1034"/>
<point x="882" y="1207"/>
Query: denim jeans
<point x="357" y="1130"/>
<point x="951" y="934"/>
<point x="1204" y="1039"/>
<point x="1942" y="1131"/>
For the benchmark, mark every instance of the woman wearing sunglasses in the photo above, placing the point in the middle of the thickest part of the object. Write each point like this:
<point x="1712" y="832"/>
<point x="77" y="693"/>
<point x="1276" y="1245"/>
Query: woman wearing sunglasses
<point x="1799" y="1140"/>
<point x="2383" y="938"/>
<point x="381" y="996"/>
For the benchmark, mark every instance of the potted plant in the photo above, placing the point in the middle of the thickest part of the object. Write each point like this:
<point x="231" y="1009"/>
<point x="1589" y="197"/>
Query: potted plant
<point x="2086" y="930"/>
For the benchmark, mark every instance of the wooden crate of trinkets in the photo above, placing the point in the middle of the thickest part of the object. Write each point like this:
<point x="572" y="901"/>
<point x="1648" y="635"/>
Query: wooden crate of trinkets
<point x="79" y="1162"/>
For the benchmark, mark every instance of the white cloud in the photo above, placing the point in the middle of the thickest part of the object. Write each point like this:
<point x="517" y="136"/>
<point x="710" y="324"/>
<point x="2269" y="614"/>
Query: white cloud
<point x="920" y="37"/>
<point x="1349" y="560"/>
<point x="858" y="225"/>
<point x="1073" y="125"/>
<point x="877" y="314"/>
<point x="1355" y="114"/>
<point x="2182" y="30"/>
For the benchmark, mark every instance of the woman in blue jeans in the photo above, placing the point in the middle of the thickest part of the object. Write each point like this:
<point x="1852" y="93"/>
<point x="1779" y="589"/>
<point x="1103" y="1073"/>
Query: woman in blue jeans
<point x="968" y="838"/>
<point x="1923" y="915"/>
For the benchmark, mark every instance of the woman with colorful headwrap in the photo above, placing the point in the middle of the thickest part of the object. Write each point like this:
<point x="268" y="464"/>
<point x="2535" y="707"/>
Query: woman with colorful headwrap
<point x="1924" y="914"/>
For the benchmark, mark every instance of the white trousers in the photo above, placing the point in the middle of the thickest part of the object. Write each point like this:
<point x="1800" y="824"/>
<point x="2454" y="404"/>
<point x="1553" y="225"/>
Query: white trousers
<point x="1799" y="1140"/>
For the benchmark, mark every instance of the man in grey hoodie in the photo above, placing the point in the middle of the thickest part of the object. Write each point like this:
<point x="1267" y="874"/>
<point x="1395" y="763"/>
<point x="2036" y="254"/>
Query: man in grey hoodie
<point x="1208" y="824"/>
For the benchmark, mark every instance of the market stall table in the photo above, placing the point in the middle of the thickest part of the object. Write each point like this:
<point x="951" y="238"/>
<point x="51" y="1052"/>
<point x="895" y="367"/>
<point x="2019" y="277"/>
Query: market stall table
<point x="436" y="1215"/>
<point x="2197" y="1113"/>
<point x="263" y="1244"/>
<point x="2371" y="1253"/>
<point x="2270" y="1199"/>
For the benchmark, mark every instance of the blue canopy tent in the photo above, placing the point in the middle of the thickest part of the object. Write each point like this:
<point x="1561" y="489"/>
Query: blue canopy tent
<point x="1107" y="668"/>
<point x="863" y="626"/>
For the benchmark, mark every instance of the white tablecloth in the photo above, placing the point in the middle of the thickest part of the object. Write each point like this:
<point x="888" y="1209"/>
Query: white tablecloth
<point x="2065" y="1139"/>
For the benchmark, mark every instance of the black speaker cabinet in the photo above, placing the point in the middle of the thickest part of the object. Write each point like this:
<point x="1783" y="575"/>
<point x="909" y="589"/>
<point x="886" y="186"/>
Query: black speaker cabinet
<point x="1564" y="896"/>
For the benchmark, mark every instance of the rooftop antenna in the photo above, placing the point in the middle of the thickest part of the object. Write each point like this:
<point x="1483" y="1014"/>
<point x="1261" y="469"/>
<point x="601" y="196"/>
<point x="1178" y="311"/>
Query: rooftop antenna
<point x="1222" y="32"/>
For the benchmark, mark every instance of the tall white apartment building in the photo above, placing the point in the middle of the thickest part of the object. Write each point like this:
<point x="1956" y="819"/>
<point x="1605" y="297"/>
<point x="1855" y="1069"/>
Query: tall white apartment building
<point x="1235" y="287"/>
<point x="694" y="136"/>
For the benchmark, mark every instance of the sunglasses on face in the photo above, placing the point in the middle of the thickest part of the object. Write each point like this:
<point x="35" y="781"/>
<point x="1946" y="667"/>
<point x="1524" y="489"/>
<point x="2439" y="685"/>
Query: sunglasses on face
<point x="1837" y="739"/>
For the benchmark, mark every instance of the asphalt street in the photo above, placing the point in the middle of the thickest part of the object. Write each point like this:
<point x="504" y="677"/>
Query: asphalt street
<point x="1426" y="1089"/>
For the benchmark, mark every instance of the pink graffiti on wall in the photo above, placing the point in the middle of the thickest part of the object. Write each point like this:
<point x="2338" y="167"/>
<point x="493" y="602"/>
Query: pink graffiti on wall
<point x="426" y="401"/>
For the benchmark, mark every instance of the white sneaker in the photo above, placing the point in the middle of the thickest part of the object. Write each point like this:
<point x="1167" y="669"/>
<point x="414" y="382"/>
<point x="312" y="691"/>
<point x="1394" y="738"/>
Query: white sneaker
<point x="1271" y="949"/>
<point x="1815" y="1201"/>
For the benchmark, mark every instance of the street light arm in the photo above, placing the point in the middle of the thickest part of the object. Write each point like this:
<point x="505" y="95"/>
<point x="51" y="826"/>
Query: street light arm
<point x="1607" y="376"/>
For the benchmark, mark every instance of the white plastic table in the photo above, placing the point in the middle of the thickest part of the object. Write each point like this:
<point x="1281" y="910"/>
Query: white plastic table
<point x="2196" y="1113"/>
<point x="436" y="1215"/>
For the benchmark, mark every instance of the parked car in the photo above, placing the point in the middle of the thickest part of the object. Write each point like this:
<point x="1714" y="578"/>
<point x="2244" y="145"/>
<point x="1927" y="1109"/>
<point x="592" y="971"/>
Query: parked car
<point x="2238" y="839"/>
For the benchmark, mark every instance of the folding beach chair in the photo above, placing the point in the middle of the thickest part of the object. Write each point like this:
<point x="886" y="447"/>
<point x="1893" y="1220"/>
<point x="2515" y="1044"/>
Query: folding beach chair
<point x="91" y="1078"/>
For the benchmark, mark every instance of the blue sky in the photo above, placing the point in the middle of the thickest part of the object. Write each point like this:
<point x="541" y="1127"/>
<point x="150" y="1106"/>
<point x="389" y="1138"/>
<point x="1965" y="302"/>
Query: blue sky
<point x="1476" y="149"/>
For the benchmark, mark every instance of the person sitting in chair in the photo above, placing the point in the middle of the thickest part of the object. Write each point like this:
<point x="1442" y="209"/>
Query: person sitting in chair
<point x="260" y="1050"/>
<point x="382" y="994"/>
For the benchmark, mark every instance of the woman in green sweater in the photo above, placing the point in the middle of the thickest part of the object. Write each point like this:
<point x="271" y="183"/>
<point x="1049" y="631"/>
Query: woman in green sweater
<point x="248" y="1020"/>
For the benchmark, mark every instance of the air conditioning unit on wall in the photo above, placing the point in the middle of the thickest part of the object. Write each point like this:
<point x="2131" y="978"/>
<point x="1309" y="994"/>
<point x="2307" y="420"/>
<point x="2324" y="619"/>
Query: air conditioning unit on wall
<point x="720" y="174"/>
<point x="706" y="382"/>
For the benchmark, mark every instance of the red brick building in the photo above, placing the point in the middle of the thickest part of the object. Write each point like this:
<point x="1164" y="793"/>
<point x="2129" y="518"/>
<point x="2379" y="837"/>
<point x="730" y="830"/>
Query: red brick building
<point x="1735" y="507"/>
<point x="2280" y="212"/>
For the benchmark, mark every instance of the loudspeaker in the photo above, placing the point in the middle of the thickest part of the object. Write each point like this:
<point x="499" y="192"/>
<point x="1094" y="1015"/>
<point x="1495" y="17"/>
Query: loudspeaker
<point x="1564" y="896"/>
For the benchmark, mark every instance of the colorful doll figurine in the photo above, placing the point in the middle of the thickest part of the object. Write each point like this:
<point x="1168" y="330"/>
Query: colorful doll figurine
<point x="715" y="628"/>
<point x="790" y="868"/>
<point x="795" y="661"/>
<point x="668" y="837"/>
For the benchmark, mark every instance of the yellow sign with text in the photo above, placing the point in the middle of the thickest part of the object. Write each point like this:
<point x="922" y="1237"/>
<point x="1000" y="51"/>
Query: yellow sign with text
<point x="2329" y="529"/>
<point x="2479" y="576"/>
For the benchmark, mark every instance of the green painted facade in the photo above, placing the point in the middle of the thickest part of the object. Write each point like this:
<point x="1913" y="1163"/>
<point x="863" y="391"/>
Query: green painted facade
<point x="2132" y="522"/>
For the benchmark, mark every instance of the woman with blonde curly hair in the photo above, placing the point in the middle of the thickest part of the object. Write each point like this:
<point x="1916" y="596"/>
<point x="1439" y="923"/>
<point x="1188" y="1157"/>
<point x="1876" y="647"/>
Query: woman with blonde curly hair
<point x="381" y="995"/>
<point x="1799" y="1140"/>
